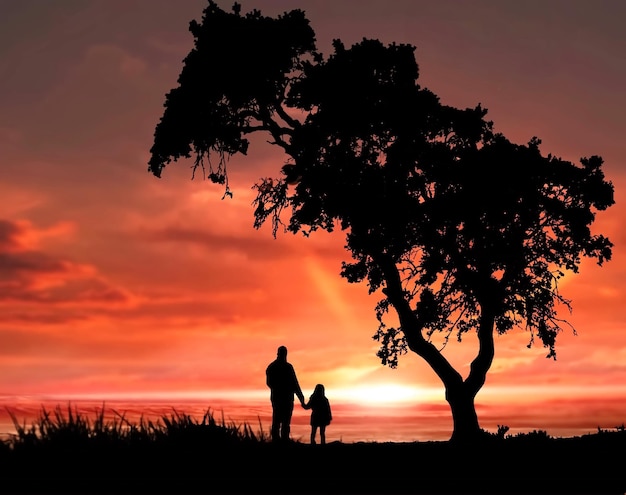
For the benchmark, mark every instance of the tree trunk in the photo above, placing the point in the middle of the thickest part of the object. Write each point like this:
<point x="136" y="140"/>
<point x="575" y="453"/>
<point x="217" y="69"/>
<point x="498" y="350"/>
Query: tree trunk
<point x="460" y="393"/>
<point x="464" y="417"/>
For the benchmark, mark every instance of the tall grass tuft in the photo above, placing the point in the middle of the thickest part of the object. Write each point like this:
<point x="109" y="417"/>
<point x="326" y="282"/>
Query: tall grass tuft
<point x="70" y="428"/>
<point x="111" y="453"/>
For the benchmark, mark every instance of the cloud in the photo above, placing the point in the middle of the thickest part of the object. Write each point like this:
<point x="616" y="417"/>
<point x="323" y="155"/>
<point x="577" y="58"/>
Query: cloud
<point x="262" y="247"/>
<point x="510" y="364"/>
<point x="108" y="59"/>
<point x="29" y="274"/>
<point x="9" y="235"/>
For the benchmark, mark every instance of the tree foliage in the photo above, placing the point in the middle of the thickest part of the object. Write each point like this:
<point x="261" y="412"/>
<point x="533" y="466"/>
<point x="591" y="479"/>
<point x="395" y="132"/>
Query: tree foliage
<point x="233" y="83"/>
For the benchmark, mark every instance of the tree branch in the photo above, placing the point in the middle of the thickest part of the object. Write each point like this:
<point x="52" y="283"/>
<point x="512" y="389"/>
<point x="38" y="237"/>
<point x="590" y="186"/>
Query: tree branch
<point x="286" y="117"/>
<point x="486" y="351"/>
<point x="410" y="325"/>
<point x="275" y="130"/>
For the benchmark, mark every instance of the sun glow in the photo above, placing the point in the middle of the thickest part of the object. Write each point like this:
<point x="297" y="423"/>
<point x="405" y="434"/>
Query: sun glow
<point x="381" y="394"/>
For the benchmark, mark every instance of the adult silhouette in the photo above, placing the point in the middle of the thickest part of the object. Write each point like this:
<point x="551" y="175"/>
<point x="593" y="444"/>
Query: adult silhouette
<point x="281" y="379"/>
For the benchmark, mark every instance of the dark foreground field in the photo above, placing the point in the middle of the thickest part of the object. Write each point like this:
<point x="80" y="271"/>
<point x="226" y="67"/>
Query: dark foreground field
<point x="184" y="456"/>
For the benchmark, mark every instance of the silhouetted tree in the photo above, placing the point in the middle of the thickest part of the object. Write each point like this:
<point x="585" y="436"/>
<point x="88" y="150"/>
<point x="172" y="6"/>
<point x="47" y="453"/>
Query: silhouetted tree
<point x="458" y="228"/>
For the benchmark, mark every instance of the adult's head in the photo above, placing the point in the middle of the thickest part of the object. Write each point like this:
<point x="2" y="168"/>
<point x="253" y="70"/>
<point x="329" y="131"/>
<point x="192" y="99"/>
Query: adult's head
<point x="282" y="353"/>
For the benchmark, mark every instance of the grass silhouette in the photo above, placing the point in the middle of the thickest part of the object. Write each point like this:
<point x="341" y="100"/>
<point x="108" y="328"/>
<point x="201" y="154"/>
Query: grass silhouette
<point x="59" y="428"/>
<point x="64" y="451"/>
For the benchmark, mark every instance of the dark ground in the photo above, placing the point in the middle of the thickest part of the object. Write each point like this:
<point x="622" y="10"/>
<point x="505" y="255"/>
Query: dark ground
<point x="593" y="464"/>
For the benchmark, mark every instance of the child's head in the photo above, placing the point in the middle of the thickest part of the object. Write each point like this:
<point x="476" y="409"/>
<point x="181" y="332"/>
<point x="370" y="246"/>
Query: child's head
<point x="319" y="389"/>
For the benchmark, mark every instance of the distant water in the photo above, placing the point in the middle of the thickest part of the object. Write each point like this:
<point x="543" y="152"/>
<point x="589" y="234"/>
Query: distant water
<point x="351" y="423"/>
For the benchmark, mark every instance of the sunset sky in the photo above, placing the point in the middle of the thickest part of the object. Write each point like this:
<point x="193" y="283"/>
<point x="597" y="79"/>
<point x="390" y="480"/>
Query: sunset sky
<point x="116" y="283"/>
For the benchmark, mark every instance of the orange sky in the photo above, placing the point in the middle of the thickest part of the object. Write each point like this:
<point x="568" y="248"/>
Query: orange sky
<point x="114" y="282"/>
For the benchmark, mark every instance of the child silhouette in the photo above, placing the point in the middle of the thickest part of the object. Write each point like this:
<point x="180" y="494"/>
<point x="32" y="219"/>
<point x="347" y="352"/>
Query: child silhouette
<point x="321" y="415"/>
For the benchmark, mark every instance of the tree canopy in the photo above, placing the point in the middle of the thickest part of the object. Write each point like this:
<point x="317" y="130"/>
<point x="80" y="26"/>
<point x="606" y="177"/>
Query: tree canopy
<point x="460" y="229"/>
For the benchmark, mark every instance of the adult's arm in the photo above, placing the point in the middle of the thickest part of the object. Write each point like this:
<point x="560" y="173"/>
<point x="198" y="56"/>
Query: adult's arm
<point x="297" y="388"/>
<point x="267" y="377"/>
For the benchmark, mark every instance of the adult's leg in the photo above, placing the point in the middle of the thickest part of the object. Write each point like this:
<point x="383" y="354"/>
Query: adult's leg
<point x="281" y="418"/>
<point x="276" y="421"/>
<point x="323" y="434"/>
<point x="285" y="428"/>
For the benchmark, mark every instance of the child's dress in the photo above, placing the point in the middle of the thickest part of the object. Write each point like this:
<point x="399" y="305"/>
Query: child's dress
<point x="321" y="414"/>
